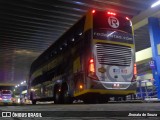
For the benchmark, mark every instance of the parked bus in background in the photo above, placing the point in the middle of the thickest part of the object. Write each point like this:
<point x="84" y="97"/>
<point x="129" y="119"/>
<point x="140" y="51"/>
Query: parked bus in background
<point x="92" y="61"/>
<point x="6" y="96"/>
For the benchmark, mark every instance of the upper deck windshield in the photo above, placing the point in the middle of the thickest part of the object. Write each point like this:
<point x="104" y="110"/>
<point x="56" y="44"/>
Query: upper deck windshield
<point x="112" y="27"/>
<point x="6" y="92"/>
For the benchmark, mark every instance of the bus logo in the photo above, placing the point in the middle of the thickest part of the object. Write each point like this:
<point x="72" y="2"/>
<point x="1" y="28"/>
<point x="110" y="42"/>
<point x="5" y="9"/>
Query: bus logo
<point x="102" y="70"/>
<point x="113" y="22"/>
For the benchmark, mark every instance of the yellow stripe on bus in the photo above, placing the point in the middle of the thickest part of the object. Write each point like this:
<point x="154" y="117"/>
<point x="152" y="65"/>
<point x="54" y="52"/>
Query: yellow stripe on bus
<point x="113" y="92"/>
<point x="88" y="21"/>
<point x="112" y="42"/>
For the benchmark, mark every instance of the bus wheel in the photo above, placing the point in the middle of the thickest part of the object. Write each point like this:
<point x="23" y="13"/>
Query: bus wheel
<point x="66" y="98"/>
<point x="57" y="97"/>
<point x="103" y="99"/>
<point x="34" y="102"/>
<point x="116" y="99"/>
<point x="124" y="98"/>
<point x="90" y="100"/>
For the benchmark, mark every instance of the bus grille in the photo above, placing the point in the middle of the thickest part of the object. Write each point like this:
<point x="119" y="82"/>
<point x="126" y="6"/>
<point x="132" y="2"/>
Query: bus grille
<point x="109" y="54"/>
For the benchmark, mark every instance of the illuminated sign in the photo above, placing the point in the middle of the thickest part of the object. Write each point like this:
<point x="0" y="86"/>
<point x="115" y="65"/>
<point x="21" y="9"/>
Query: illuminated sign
<point x="113" y="22"/>
<point x="158" y="48"/>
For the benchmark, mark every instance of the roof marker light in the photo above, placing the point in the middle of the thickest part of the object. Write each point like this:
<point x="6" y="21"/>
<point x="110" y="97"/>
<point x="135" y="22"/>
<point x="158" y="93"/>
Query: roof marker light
<point x="93" y="11"/>
<point x="155" y="4"/>
<point x="111" y="13"/>
<point x="127" y="18"/>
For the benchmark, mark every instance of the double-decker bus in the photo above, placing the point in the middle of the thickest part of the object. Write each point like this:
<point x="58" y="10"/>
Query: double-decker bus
<point x="6" y="96"/>
<point x="92" y="61"/>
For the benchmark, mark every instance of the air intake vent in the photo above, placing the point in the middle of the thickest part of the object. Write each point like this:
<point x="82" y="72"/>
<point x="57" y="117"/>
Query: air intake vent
<point x="109" y="54"/>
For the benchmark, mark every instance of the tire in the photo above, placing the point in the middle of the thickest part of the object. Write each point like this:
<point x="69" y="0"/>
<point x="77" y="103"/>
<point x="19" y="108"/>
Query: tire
<point x="116" y="98"/>
<point x="34" y="102"/>
<point x="102" y="99"/>
<point x="66" y="97"/>
<point x="31" y="98"/>
<point x="87" y="101"/>
<point x="124" y="98"/>
<point x="90" y="99"/>
<point x="57" y="97"/>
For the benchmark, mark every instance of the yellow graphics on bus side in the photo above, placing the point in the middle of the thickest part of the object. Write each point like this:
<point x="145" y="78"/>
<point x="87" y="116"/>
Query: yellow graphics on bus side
<point x="88" y="21"/>
<point x="54" y="62"/>
<point x="112" y="42"/>
<point x="36" y="73"/>
<point x="76" y="65"/>
<point x="113" y="92"/>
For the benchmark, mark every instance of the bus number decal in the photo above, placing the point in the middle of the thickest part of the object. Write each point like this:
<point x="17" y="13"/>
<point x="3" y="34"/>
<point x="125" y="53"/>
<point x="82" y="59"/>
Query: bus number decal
<point x="119" y="71"/>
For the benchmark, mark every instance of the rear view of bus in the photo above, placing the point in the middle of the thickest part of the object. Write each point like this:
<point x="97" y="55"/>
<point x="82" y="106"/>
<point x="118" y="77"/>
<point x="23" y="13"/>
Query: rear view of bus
<point x="6" y="96"/>
<point x="91" y="61"/>
<point x="113" y="48"/>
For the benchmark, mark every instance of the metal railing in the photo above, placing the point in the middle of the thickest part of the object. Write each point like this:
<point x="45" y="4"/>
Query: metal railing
<point x="146" y="90"/>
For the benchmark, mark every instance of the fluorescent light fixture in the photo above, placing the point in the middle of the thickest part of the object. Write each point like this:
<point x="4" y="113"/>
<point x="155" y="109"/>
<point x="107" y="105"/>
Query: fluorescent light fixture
<point x="155" y="4"/>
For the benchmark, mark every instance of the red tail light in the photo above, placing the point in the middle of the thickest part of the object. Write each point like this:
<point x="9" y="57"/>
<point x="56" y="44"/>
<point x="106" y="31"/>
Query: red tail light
<point x="92" y="72"/>
<point x="135" y="69"/>
<point x="91" y="66"/>
<point x="134" y="73"/>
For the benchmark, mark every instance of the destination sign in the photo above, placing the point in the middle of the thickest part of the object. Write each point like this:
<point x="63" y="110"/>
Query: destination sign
<point x="116" y="36"/>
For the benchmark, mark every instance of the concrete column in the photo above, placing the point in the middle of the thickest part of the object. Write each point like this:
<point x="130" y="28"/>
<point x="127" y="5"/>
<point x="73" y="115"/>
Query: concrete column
<point x="154" y="32"/>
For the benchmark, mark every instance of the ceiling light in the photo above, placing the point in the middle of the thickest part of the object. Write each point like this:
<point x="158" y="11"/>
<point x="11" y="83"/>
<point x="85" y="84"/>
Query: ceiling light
<point x="155" y="4"/>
